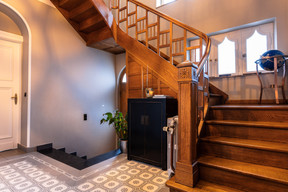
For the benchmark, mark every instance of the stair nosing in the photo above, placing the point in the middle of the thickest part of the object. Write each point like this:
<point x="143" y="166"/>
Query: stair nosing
<point x="247" y="107"/>
<point x="245" y="172"/>
<point x="245" y="145"/>
<point x="255" y="124"/>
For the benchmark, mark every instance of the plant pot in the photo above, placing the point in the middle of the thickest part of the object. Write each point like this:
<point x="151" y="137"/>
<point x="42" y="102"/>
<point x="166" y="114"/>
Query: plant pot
<point x="123" y="146"/>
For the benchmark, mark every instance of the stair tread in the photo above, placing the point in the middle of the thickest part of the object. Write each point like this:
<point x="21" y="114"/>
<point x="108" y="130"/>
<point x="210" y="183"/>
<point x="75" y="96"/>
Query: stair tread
<point x="211" y="187"/>
<point x="202" y="186"/>
<point x="260" y="171"/>
<point x="257" y="107"/>
<point x="280" y="125"/>
<point x="255" y="144"/>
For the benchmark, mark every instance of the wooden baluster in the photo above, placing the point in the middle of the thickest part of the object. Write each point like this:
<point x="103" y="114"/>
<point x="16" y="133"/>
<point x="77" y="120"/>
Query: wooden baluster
<point x="185" y="45"/>
<point x="171" y="36"/>
<point x="126" y="12"/>
<point x="146" y="28"/>
<point x="158" y="35"/>
<point x="118" y="12"/>
<point x="135" y="21"/>
<point x="201" y="47"/>
<point x="187" y="172"/>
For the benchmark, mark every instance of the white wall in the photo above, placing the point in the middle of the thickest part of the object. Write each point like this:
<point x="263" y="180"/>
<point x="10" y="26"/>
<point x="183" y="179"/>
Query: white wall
<point x="68" y="80"/>
<point x="214" y="15"/>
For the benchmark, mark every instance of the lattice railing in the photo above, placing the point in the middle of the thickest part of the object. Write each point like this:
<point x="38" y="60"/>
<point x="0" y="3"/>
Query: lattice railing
<point x="167" y="36"/>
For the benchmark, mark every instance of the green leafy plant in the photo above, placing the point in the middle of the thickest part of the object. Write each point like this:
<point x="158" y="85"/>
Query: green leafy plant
<point x="119" y="123"/>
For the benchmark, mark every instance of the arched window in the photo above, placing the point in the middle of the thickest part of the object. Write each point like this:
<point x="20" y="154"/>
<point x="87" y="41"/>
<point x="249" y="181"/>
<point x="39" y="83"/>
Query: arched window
<point x="124" y="79"/>
<point x="226" y="57"/>
<point x="255" y="46"/>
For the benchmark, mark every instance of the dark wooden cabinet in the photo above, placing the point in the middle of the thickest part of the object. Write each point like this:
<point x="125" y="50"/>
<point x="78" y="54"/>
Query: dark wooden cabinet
<point x="146" y="118"/>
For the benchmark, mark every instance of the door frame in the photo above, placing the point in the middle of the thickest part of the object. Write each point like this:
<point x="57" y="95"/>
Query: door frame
<point x="22" y="24"/>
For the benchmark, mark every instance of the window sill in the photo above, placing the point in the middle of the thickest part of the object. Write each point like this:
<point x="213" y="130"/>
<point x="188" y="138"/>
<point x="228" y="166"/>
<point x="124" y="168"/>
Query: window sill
<point x="243" y="75"/>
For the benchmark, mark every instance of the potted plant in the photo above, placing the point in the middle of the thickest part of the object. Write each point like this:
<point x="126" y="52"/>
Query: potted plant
<point x="120" y="125"/>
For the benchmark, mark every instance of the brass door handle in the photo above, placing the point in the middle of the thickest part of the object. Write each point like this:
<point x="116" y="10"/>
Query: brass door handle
<point x="15" y="98"/>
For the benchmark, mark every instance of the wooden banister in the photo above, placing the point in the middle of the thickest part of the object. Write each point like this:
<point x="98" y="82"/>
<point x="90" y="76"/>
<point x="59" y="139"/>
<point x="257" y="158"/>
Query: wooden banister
<point x="193" y="78"/>
<point x="164" y="37"/>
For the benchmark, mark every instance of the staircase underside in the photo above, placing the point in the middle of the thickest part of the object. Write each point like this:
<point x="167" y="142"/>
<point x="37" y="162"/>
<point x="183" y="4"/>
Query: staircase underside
<point x="92" y="21"/>
<point x="108" y="45"/>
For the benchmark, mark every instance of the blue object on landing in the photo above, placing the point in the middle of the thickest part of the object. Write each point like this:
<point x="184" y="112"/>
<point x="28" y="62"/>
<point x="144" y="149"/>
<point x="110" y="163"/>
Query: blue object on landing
<point x="266" y="60"/>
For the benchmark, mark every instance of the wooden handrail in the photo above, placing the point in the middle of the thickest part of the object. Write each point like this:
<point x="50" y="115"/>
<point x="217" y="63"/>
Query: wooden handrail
<point x="115" y="4"/>
<point x="174" y="21"/>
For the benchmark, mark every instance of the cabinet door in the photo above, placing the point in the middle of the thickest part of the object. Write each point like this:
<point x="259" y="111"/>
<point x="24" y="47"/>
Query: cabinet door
<point x="137" y="129"/>
<point x="153" y="131"/>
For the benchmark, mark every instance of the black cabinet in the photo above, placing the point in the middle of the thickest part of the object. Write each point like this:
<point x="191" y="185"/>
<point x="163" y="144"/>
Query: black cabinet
<point x="146" y="118"/>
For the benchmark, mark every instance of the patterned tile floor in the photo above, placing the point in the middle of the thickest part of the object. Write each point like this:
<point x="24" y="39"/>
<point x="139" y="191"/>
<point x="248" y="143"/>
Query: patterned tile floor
<point x="33" y="172"/>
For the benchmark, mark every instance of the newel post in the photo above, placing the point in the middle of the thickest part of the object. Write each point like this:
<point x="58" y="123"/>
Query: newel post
<point x="186" y="166"/>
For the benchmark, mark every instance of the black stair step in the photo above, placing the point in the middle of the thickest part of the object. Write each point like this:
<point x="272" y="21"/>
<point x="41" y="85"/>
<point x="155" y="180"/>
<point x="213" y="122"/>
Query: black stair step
<point x="62" y="149"/>
<point x="84" y="157"/>
<point x="65" y="158"/>
<point x="75" y="161"/>
<point x="44" y="147"/>
<point x="73" y="153"/>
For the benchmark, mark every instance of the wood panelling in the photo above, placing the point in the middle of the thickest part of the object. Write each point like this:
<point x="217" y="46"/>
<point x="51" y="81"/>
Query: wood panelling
<point x="137" y="80"/>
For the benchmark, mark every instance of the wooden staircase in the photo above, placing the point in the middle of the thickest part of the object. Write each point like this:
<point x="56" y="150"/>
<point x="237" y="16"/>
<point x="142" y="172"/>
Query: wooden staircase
<point x="246" y="147"/>
<point x="240" y="148"/>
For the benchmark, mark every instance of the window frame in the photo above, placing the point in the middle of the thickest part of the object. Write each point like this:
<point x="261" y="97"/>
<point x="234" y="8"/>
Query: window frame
<point x="160" y="3"/>
<point x="240" y="47"/>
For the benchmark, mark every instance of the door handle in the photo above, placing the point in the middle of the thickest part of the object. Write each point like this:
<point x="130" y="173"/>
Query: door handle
<point x="15" y="98"/>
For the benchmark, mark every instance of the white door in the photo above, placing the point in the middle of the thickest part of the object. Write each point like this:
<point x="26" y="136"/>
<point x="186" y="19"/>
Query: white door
<point x="10" y="76"/>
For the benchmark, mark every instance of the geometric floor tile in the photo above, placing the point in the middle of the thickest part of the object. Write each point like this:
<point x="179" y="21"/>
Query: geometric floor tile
<point x="32" y="172"/>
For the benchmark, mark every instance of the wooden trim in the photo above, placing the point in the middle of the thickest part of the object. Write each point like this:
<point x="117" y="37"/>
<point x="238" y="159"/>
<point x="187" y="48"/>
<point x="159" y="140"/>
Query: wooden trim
<point x="142" y="18"/>
<point x="164" y="46"/>
<point x="146" y="29"/>
<point x="133" y="25"/>
<point x="178" y="39"/>
<point x="152" y="38"/>
<point x="132" y="13"/>
<point x="171" y="42"/>
<point x="178" y="54"/>
<point x="158" y="35"/>
<point x="174" y="21"/>
<point x="254" y="101"/>
<point x="152" y="25"/>
<point x="193" y="47"/>
<point x="142" y="31"/>
<point x="123" y="8"/>
<point x="165" y="31"/>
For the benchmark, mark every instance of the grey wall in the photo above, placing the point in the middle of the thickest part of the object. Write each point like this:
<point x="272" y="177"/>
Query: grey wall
<point x="68" y="80"/>
<point x="214" y="15"/>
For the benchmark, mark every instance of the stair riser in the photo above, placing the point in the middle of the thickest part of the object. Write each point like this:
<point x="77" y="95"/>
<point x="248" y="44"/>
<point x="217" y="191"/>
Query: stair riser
<point x="215" y="101"/>
<point x="249" y="115"/>
<point x="240" y="181"/>
<point x="243" y="132"/>
<point x="256" y="156"/>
